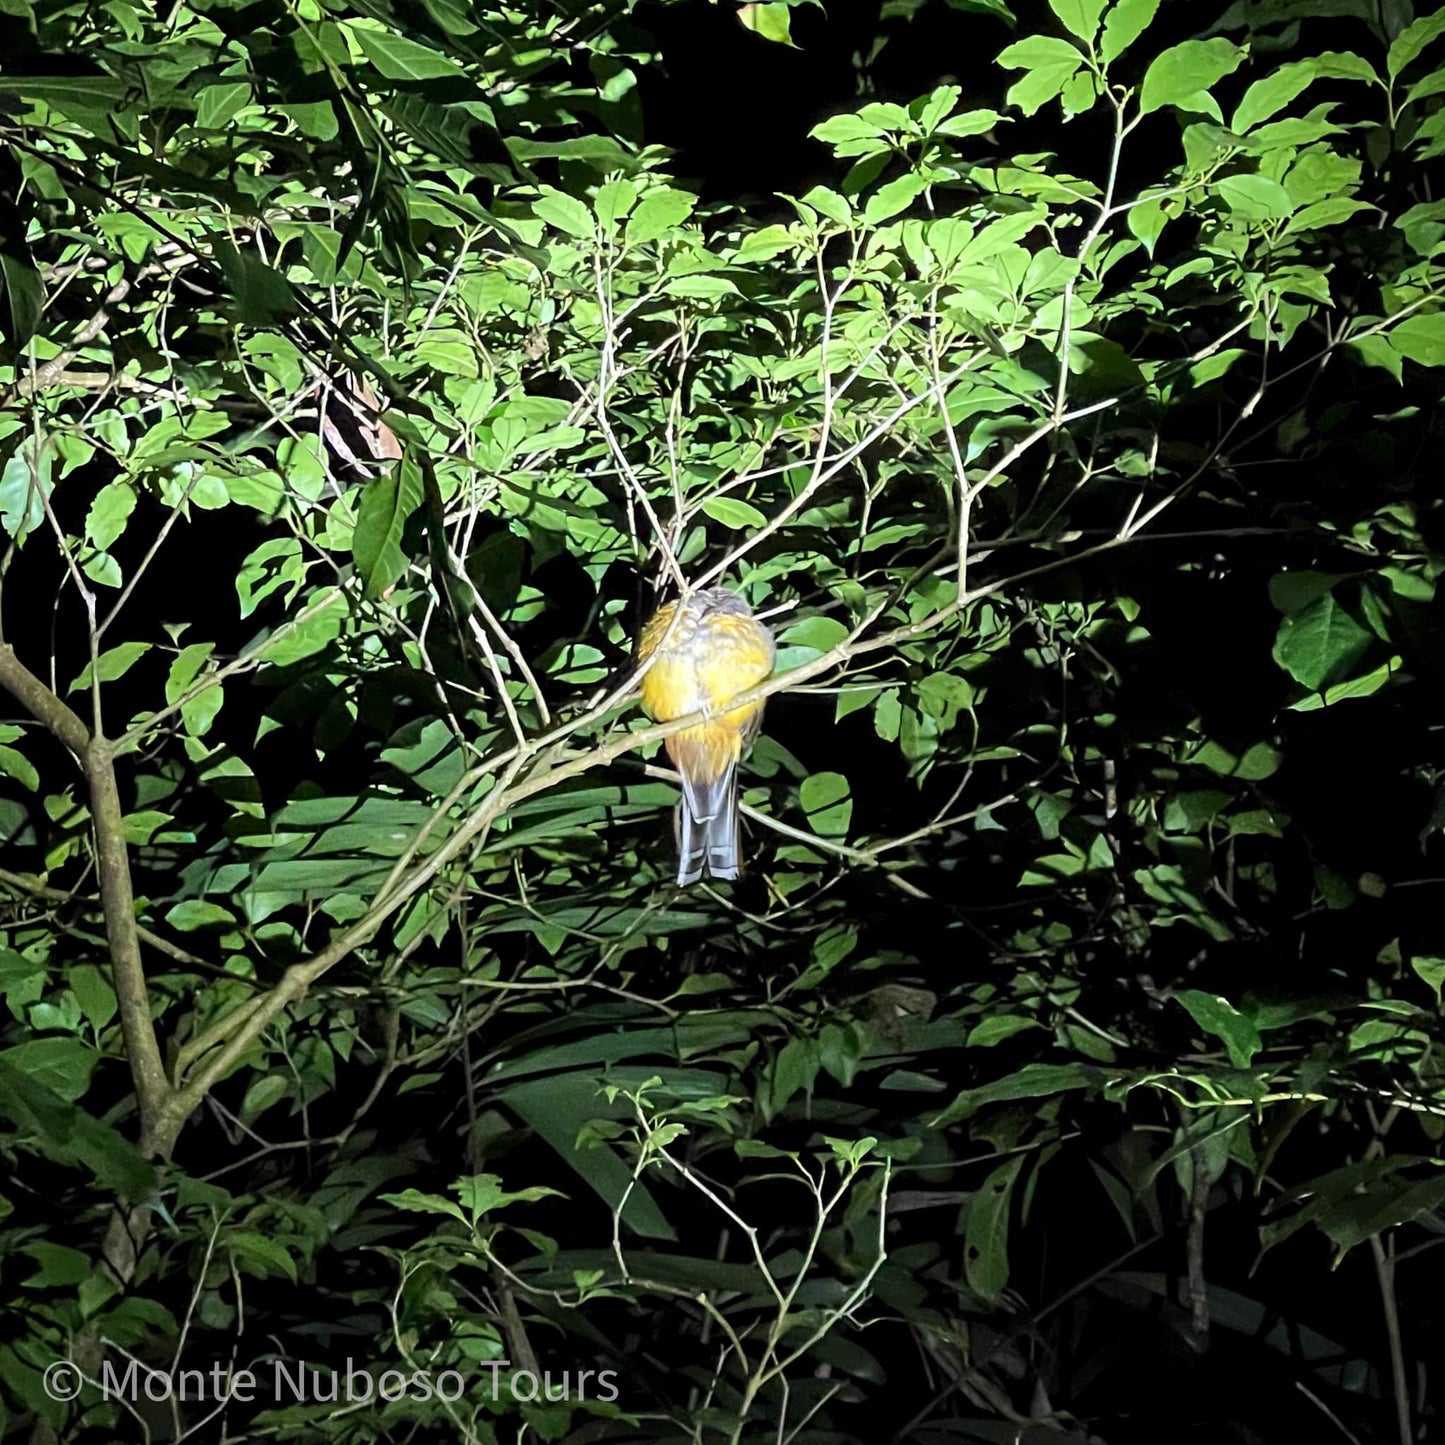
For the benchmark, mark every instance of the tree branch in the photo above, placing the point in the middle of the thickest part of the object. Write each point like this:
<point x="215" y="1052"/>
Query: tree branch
<point x="142" y="1048"/>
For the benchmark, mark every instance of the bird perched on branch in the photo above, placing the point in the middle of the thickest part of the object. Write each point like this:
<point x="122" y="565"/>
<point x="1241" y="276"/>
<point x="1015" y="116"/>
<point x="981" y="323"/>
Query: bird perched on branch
<point x="701" y="660"/>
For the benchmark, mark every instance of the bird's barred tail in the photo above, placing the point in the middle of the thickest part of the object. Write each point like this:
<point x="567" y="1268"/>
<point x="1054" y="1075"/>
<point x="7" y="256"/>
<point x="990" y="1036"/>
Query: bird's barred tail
<point x="707" y="829"/>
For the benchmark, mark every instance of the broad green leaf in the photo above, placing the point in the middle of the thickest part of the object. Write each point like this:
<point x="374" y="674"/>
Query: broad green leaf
<point x="1219" y="1017"/>
<point x="24" y="297"/>
<point x="60" y="1065"/>
<point x="565" y="212"/>
<point x="771" y="21"/>
<point x="1079" y="17"/>
<point x="1256" y="198"/>
<point x="1366" y="685"/>
<point x="1179" y="75"/>
<point x="996" y="1028"/>
<point x="986" y="1231"/>
<point x="386" y="506"/>
<point x="1320" y="643"/>
<point x="216" y="105"/>
<point x="1270" y="94"/>
<point x="24" y="484"/>
<point x="1033" y="1081"/>
<point x="1123" y="25"/>
<point x="319" y="625"/>
<point x="1432" y="971"/>
<point x="932" y="109"/>
<point x="111" y="664"/>
<point x="841" y="128"/>
<point x="734" y="513"/>
<point x="828" y="802"/>
<point x="68" y="1134"/>
<point x="1420" y="338"/>
<point x="893" y="197"/>
<point x="108" y="513"/>
<point x="820" y="634"/>
<point x="614" y="200"/>
<point x="92" y="990"/>
<point x="830" y="204"/>
<point x="1049" y="64"/>
<point x="18" y="766"/>
<point x="971" y="122"/>
<point x="1329" y="212"/>
<point x="656" y="214"/>
<point x="262" y="294"/>
<point x="1408" y="44"/>
<point x="1258" y="762"/>
<point x="1386" y="1205"/>
<point x="398" y="58"/>
<point x="557" y="1108"/>
<point x="259" y="1255"/>
<point x="196" y="913"/>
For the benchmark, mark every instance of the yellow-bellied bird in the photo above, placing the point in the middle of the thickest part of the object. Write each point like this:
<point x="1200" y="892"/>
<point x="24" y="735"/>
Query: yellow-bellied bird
<point x="700" y="662"/>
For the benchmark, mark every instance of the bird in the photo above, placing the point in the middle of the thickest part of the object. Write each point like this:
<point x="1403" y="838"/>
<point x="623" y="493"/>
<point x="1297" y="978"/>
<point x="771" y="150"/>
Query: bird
<point x="701" y="660"/>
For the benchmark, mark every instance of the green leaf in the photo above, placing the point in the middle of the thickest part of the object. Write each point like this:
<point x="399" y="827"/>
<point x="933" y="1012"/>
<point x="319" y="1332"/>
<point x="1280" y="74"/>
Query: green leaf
<point x="1408" y="44"/>
<point x="564" y="213"/>
<point x="1421" y="338"/>
<point x="198" y="712"/>
<point x="108" y="513"/>
<point x="830" y="204"/>
<point x="196" y="913"/>
<point x="794" y="1071"/>
<point x="24" y="295"/>
<point x="398" y="58"/>
<point x="1364" y="685"/>
<point x="841" y="128"/>
<point x="1386" y="1205"/>
<point x="262" y="294"/>
<point x="656" y="214"/>
<point x="1217" y="1016"/>
<point x="986" y="1230"/>
<point x="1049" y="64"/>
<point x="68" y="1134"/>
<point x="893" y="197"/>
<point x="1125" y="23"/>
<point x="1079" y="17"/>
<point x="111" y="664"/>
<point x="734" y="513"/>
<point x="1432" y="971"/>
<point x="1320" y="643"/>
<point x="770" y="21"/>
<point x="996" y="1028"/>
<point x="1256" y="198"/>
<point x="93" y="992"/>
<point x="828" y="802"/>
<point x="60" y="1065"/>
<point x="819" y="634"/>
<point x="320" y="624"/>
<point x="557" y="1108"/>
<point x="1270" y="94"/>
<point x="18" y="766"/>
<point x="216" y="105"/>
<point x="1184" y="73"/>
<point x="1257" y="763"/>
<point x="259" y="1255"/>
<point x="1033" y="1081"/>
<point x="386" y="505"/>
<point x="25" y="482"/>
<point x="971" y="122"/>
<point x="614" y="200"/>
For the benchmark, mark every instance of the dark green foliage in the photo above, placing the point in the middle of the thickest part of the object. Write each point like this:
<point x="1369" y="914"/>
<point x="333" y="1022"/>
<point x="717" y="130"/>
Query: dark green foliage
<point x="366" y="380"/>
